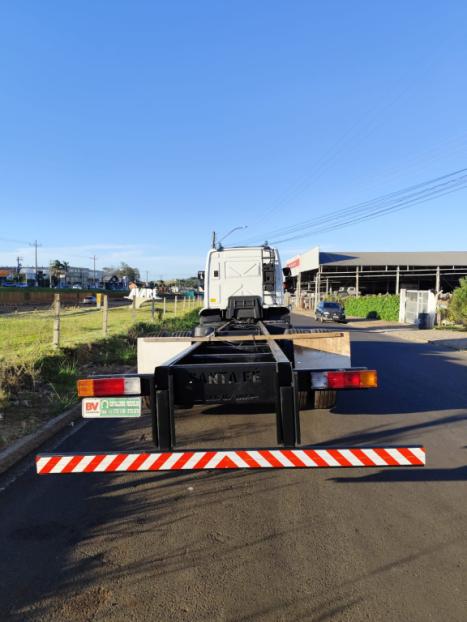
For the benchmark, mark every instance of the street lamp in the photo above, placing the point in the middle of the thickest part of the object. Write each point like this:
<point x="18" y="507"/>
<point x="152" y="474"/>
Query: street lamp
<point x="232" y="231"/>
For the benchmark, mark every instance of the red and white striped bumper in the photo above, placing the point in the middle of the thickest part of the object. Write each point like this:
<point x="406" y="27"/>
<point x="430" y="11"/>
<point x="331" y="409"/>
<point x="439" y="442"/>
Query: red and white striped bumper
<point x="47" y="464"/>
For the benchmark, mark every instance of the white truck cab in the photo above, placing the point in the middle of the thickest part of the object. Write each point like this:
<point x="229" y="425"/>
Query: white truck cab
<point x="243" y="283"/>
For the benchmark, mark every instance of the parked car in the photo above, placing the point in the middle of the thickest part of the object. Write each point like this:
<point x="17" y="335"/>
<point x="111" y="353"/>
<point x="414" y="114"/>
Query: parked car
<point x="330" y="312"/>
<point x="349" y="291"/>
<point x="76" y="286"/>
<point x="89" y="300"/>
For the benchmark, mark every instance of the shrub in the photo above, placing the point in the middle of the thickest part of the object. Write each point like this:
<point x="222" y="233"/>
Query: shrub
<point x="373" y="307"/>
<point x="458" y="305"/>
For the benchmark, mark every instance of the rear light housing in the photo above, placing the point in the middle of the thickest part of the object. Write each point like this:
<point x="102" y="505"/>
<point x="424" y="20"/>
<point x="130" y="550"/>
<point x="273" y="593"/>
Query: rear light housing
<point x="106" y="387"/>
<point x="351" y="379"/>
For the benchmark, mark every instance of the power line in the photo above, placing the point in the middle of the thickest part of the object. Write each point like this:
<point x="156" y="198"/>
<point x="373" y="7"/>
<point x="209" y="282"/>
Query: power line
<point x="398" y="207"/>
<point x="364" y="126"/>
<point x="358" y="207"/>
<point x="393" y="201"/>
<point x="14" y="241"/>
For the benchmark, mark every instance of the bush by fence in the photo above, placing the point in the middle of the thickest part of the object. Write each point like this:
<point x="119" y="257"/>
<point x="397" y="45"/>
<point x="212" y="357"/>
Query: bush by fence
<point x="373" y="307"/>
<point x="458" y="306"/>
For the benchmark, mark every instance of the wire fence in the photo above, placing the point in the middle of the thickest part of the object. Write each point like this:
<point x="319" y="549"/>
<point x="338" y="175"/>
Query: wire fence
<point x="26" y="335"/>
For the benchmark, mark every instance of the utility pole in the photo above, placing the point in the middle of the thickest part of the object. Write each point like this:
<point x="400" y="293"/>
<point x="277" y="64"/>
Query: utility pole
<point x="18" y="266"/>
<point x="213" y="239"/>
<point x="35" y="244"/>
<point x="94" y="269"/>
<point x="147" y="277"/>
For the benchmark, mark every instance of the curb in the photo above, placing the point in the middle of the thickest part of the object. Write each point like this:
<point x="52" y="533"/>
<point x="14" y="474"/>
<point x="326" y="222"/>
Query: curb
<point x="23" y="446"/>
<point x="441" y="343"/>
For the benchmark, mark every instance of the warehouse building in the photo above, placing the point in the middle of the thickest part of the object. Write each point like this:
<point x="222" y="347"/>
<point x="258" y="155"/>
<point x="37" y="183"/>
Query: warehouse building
<point x="376" y="272"/>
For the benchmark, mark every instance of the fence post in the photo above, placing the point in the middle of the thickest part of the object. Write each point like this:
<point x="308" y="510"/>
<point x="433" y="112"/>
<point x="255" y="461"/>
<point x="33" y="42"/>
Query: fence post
<point x="163" y="310"/>
<point x="133" y="310"/>
<point x="175" y="305"/>
<point x="56" y="331"/>
<point x="105" y="315"/>
<point x="152" y="309"/>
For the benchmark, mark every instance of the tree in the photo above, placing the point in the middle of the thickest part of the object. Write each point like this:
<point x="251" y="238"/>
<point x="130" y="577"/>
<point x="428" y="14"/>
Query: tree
<point x="458" y="305"/>
<point x="125" y="270"/>
<point x="57" y="269"/>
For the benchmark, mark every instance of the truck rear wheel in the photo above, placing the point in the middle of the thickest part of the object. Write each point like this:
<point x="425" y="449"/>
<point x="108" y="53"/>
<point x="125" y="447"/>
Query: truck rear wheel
<point x="325" y="399"/>
<point x="305" y="401"/>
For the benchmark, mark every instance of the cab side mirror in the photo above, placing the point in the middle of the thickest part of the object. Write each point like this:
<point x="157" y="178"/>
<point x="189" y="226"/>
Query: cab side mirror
<point x="286" y="271"/>
<point x="201" y="275"/>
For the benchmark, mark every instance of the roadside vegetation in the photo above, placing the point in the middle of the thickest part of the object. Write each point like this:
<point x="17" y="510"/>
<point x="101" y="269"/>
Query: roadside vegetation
<point x="26" y="336"/>
<point x="373" y="307"/>
<point x="458" y="305"/>
<point x="37" y="382"/>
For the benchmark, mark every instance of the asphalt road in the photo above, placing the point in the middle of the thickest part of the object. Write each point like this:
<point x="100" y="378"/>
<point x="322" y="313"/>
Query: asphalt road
<point x="286" y="545"/>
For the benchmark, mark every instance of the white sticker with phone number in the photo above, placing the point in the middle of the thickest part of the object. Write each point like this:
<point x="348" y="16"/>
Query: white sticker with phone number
<point x="110" y="407"/>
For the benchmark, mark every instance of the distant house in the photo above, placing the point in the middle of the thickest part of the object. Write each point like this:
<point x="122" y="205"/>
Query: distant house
<point x="7" y="274"/>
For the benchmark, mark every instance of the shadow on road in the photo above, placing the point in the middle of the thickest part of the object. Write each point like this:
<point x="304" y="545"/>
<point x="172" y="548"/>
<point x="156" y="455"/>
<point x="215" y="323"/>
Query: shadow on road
<point x="412" y="377"/>
<point x="459" y="474"/>
<point x="392" y="433"/>
<point x="95" y="529"/>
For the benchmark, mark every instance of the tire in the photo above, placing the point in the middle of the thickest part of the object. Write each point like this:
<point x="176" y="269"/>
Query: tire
<point x="304" y="400"/>
<point x="325" y="399"/>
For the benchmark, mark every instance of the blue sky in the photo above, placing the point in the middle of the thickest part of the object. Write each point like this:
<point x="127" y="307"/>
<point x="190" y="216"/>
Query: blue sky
<point x="130" y="130"/>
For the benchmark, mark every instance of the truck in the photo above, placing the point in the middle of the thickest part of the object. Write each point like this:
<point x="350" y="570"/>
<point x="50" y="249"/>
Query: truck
<point x="244" y="350"/>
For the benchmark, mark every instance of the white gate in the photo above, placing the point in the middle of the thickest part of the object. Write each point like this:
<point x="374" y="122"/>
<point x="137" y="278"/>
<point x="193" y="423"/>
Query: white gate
<point x="413" y="302"/>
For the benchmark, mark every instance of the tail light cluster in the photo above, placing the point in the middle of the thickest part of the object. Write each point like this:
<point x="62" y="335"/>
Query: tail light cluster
<point x="106" y="387"/>
<point x="359" y="379"/>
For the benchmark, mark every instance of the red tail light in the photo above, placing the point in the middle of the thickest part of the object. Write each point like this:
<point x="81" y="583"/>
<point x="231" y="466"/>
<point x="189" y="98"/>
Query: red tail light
<point x="106" y="387"/>
<point x="350" y="379"/>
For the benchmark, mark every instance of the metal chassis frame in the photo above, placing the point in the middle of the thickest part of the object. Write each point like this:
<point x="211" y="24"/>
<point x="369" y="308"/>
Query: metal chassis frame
<point x="163" y="398"/>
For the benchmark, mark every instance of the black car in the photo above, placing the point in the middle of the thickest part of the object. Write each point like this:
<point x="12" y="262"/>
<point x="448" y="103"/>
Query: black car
<point x="330" y="312"/>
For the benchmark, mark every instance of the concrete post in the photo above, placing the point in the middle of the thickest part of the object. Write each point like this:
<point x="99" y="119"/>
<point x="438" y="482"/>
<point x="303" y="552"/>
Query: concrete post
<point x="398" y="271"/>
<point x="357" y="281"/>
<point x="105" y="315"/>
<point x="438" y="279"/>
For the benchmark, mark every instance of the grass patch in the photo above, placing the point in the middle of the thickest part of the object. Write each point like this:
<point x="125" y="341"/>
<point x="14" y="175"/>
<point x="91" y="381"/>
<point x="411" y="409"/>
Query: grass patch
<point x="27" y="336"/>
<point x="37" y="383"/>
